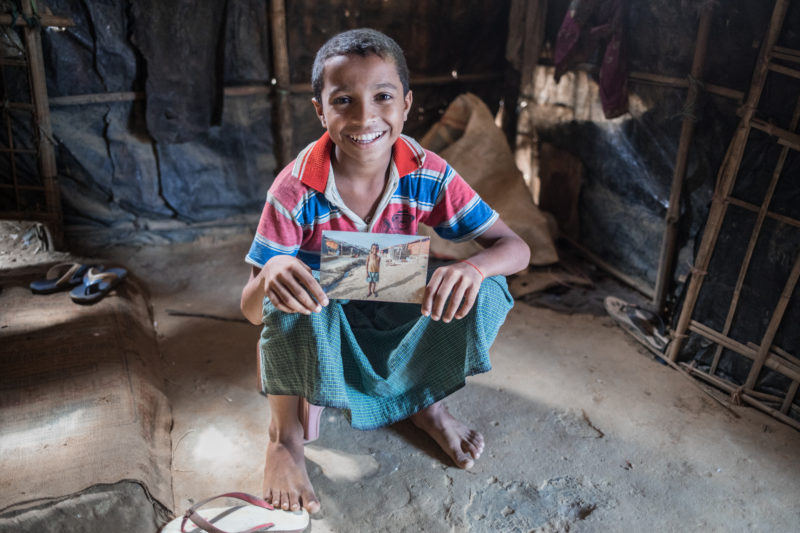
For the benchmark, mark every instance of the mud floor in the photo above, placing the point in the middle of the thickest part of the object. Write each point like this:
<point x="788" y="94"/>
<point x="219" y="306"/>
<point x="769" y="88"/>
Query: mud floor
<point x="585" y="431"/>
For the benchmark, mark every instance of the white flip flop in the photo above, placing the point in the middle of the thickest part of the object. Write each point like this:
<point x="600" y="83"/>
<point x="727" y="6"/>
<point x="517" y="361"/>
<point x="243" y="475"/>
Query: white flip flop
<point x="257" y="515"/>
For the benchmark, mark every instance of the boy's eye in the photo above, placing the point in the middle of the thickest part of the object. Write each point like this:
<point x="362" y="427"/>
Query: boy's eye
<point x="383" y="97"/>
<point x="341" y="100"/>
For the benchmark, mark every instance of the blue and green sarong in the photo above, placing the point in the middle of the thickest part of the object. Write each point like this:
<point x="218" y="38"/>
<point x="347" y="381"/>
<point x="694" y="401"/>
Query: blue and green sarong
<point x="381" y="362"/>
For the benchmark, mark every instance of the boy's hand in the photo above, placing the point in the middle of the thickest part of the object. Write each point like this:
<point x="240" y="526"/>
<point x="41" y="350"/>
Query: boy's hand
<point x="288" y="282"/>
<point x="460" y="282"/>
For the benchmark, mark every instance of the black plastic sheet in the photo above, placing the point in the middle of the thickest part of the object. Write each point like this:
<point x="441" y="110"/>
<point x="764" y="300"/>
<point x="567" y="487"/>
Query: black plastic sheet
<point x="180" y="42"/>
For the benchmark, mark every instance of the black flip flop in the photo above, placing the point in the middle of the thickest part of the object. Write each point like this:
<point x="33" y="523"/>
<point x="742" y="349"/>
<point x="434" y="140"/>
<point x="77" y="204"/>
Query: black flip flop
<point x="60" y="277"/>
<point x="96" y="284"/>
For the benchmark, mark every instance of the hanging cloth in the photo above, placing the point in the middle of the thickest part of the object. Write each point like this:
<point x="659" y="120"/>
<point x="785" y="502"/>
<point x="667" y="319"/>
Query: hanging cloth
<point x="587" y="26"/>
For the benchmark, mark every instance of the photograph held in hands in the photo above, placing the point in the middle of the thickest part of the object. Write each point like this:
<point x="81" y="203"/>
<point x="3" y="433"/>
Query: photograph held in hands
<point x="374" y="266"/>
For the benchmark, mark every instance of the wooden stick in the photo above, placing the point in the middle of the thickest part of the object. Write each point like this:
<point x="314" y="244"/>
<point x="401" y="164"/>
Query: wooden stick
<point x="790" y="396"/>
<point x="775" y="363"/>
<point x="754" y="208"/>
<point x="785" y="137"/>
<point x="786" y="355"/>
<point x="782" y="356"/>
<point x="785" y="70"/>
<point x="686" y="375"/>
<point x="98" y="98"/>
<point x="774" y="324"/>
<point x="280" y="63"/>
<point x="683" y="83"/>
<point x="782" y="52"/>
<point x="727" y="178"/>
<point x="743" y="395"/>
<point x="666" y="263"/>
<point x="628" y="280"/>
<point x="173" y="312"/>
<point x="44" y="20"/>
<point x="47" y="157"/>
<point x="762" y="213"/>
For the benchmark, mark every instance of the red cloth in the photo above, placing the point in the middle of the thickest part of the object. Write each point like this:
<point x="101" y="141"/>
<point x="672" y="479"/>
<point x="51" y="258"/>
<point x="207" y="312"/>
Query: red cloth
<point x="590" y="24"/>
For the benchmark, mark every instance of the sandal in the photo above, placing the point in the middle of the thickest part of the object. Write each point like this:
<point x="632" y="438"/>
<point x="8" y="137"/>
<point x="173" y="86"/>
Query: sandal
<point x="258" y="515"/>
<point x="645" y="326"/>
<point x="60" y="277"/>
<point x="96" y="284"/>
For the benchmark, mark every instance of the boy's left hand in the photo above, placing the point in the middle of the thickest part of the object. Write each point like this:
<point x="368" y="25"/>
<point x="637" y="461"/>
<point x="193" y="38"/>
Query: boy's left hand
<point x="460" y="282"/>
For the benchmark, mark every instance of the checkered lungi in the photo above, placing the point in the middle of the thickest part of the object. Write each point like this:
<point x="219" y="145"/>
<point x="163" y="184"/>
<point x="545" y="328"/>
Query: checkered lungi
<point x="380" y="362"/>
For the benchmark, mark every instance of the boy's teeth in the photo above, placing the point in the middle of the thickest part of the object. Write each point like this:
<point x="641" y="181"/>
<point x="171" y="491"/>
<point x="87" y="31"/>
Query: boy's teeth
<point x="367" y="137"/>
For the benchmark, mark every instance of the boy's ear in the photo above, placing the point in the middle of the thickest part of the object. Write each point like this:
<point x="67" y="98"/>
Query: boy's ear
<point x="407" y="104"/>
<point x="318" y="109"/>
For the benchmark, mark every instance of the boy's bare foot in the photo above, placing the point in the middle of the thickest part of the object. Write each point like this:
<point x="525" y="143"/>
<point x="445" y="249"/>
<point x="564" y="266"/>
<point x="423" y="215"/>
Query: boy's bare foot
<point x="462" y="444"/>
<point x="286" y="482"/>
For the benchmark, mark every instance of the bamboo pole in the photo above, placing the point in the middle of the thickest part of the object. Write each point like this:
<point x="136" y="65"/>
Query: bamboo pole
<point x="743" y="395"/>
<point x="11" y="147"/>
<point x="280" y="65"/>
<point x="628" y="280"/>
<point x="666" y="262"/>
<point x="789" y="221"/>
<point x="789" y="398"/>
<point x="775" y="363"/>
<point x="47" y="157"/>
<point x="774" y="324"/>
<point x="785" y="70"/>
<point x="785" y="137"/>
<point x="683" y="83"/>
<point x="728" y="173"/>
<point x="762" y="213"/>
<point x="44" y="20"/>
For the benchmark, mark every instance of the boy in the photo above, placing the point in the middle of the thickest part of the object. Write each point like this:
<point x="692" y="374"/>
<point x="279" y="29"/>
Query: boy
<point x="359" y="176"/>
<point x="373" y="270"/>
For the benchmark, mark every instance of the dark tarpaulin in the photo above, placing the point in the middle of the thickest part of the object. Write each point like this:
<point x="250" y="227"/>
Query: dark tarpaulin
<point x="112" y="173"/>
<point x="181" y="43"/>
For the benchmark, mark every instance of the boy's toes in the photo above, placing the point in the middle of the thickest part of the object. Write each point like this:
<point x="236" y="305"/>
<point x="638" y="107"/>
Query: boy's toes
<point x="310" y="503"/>
<point x="463" y="460"/>
<point x="474" y="444"/>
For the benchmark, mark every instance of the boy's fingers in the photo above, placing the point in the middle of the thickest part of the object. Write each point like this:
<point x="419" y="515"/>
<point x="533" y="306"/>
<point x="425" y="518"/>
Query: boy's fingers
<point x="288" y="300"/>
<point x="442" y="293"/>
<point x="430" y="291"/>
<point x="455" y="302"/>
<point x="469" y="301"/>
<point x="278" y="302"/>
<point x="313" y="286"/>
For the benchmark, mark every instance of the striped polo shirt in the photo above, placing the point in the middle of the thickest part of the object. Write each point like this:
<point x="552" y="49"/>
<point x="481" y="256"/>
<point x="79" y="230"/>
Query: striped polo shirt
<point x="422" y="188"/>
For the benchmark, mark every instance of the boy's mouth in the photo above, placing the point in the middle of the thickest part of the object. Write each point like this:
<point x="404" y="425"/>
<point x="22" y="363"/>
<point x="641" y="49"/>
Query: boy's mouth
<point x="366" y="138"/>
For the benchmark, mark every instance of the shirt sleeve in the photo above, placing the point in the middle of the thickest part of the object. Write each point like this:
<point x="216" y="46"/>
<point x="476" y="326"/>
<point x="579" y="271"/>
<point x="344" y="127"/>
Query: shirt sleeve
<point x="459" y="214"/>
<point x="278" y="233"/>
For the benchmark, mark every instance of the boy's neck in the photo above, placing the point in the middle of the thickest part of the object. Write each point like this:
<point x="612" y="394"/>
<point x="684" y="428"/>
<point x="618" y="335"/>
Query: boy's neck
<point x="367" y="172"/>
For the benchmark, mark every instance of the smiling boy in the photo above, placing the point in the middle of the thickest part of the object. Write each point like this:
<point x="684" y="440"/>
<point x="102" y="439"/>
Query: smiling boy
<point x="359" y="176"/>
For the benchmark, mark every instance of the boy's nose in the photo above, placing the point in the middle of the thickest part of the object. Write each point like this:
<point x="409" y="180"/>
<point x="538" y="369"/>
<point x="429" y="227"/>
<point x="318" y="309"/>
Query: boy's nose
<point x="363" y="112"/>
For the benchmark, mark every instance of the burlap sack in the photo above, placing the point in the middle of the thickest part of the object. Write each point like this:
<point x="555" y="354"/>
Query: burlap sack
<point x="467" y="137"/>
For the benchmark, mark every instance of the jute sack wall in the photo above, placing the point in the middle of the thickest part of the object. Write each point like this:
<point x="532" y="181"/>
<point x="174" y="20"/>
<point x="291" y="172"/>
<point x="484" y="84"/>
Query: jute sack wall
<point x="467" y="137"/>
<point x="81" y="399"/>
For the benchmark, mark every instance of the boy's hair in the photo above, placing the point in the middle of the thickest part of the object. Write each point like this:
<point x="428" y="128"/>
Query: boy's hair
<point x="360" y="42"/>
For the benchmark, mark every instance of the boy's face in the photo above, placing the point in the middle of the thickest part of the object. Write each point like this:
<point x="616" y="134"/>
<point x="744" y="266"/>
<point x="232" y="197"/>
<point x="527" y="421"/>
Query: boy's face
<point x="363" y="107"/>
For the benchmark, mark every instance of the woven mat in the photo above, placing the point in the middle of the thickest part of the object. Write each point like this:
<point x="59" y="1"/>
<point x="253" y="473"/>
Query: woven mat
<point x="81" y="399"/>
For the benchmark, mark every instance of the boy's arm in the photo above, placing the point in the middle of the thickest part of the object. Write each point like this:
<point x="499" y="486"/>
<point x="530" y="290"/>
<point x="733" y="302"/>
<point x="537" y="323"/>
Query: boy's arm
<point x="287" y="282"/>
<point x="504" y="253"/>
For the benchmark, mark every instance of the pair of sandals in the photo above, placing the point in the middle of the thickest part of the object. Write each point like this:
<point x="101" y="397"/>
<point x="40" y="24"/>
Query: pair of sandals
<point x="87" y="284"/>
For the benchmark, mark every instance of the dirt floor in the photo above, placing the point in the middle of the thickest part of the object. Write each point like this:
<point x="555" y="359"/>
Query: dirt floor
<point x="584" y="430"/>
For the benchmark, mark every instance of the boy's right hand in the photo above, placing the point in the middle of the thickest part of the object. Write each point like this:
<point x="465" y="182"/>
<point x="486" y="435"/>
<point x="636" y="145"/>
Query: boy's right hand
<point x="287" y="282"/>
